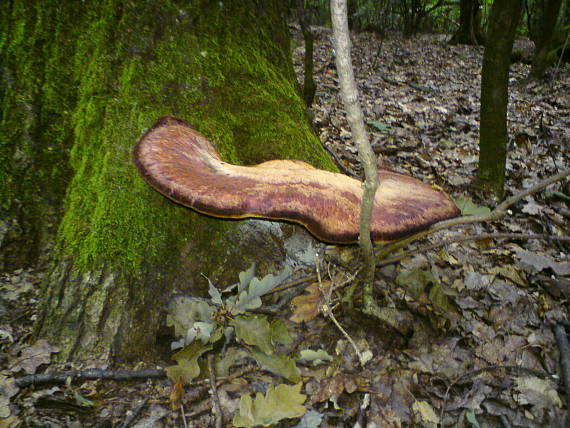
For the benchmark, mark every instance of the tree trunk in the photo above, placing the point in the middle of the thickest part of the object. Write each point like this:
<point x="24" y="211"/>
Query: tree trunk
<point x="309" y="87"/>
<point x="503" y="22"/>
<point x="81" y="83"/>
<point x="549" y="11"/>
<point x="469" y="31"/>
<point x="37" y="100"/>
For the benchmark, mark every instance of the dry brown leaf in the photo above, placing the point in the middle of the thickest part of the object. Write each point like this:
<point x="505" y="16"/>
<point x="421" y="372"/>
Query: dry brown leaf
<point x="176" y="395"/>
<point x="334" y="386"/>
<point x="307" y="305"/>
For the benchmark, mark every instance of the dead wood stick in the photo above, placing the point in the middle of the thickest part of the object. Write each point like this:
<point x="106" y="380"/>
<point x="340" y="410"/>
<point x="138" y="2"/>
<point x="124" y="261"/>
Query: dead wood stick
<point x="129" y="421"/>
<point x="89" y="374"/>
<point x="459" y="238"/>
<point x="499" y="212"/>
<point x="564" y="350"/>
<point x="218" y="415"/>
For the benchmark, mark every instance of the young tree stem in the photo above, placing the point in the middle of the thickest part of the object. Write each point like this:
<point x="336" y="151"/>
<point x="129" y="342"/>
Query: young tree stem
<point x="349" y="95"/>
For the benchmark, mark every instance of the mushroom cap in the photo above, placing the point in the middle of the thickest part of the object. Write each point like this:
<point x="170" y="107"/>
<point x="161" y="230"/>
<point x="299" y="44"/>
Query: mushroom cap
<point x="184" y="166"/>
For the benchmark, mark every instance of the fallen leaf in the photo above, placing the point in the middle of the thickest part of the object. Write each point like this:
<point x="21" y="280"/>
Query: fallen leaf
<point x="307" y="305"/>
<point x="424" y="414"/>
<point x="333" y="387"/>
<point x="280" y="402"/>
<point x="176" y="395"/>
<point x="34" y="356"/>
<point x="8" y="389"/>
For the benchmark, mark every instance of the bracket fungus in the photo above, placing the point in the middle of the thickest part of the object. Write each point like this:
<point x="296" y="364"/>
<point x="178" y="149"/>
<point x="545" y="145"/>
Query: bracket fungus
<point x="184" y="166"/>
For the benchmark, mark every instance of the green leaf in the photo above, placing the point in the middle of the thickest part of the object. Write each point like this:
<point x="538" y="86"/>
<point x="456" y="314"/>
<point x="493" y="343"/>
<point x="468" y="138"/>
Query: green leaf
<point x="230" y="357"/>
<point x="472" y="419"/>
<point x="245" y="278"/>
<point x="200" y="330"/>
<point x="217" y="334"/>
<point x="281" y="402"/>
<point x="183" y="312"/>
<point x="82" y="400"/>
<point x="561" y="196"/>
<point x="380" y="126"/>
<point x="469" y="208"/>
<point x="187" y="359"/>
<point x="280" y="333"/>
<point x="250" y="297"/>
<point x="316" y="357"/>
<point x="279" y="364"/>
<point x="214" y="293"/>
<point x="254" y="330"/>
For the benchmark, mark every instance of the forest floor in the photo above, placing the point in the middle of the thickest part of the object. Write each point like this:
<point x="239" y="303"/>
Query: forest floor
<point x="482" y="352"/>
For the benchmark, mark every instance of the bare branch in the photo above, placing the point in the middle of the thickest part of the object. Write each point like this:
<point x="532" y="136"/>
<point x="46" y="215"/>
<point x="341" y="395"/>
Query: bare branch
<point x="499" y="212"/>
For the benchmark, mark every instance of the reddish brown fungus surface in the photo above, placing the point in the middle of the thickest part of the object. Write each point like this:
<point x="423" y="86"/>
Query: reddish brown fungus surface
<point x="183" y="165"/>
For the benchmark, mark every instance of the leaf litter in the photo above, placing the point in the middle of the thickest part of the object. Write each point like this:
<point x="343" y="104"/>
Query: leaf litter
<point x="481" y="350"/>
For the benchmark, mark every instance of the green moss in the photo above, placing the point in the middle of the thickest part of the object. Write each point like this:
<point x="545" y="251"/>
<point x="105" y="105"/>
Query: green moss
<point x="220" y="80"/>
<point x="37" y="97"/>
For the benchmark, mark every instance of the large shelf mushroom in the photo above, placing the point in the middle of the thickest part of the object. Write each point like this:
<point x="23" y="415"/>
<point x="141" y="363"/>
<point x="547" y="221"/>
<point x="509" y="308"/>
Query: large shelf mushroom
<point x="183" y="165"/>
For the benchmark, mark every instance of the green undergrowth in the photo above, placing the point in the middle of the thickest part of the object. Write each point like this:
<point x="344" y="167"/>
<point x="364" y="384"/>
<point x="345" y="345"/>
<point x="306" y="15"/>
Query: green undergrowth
<point x="225" y="326"/>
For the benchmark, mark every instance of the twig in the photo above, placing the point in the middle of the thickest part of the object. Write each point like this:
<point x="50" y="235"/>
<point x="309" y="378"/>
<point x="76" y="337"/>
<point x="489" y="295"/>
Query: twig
<point x="499" y="212"/>
<point x="536" y="188"/>
<point x="89" y="374"/>
<point x="183" y="414"/>
<point x="128" y="422"/>
<point x="219" y="416"/>
<point x="307" y="279"/>
<point x="461" y="238"/>
<point x="564" y="349"/>
<point x="339" y="163"/>
<point x="326" y="310"/>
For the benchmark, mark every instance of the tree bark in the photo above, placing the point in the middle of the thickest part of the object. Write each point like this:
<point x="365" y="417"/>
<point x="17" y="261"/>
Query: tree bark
<point x="469" y="31"/>
<point x="549" y="11"/>
<point x="37" y="101"/>
<point x="98" y="74"/>
<point x="503" y="21"/>
<point x="309" y="86"/>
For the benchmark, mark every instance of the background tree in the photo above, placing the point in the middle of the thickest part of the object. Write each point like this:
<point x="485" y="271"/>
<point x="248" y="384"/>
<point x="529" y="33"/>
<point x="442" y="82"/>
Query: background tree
<point x="309" y="86"/>
<point x="469" y="31"/>
<point x="547" y="13"/>
<point x="81" y="83"/>
<point x="414" y="12"/>
<point x="503" y="22"/>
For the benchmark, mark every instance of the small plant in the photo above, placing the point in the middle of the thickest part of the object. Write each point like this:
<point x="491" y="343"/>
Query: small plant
<point x="206" y="325"/>
<point x="203" y="324"/>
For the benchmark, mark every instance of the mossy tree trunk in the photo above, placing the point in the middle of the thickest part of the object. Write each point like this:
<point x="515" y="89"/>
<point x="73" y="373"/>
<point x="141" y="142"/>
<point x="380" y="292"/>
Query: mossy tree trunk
<point x="503" y="21"/>
<point x="469" y="31"/>
<point x="81" y="82"/>
<point x="37" y="98"/>
<point x="548" y="10"/>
